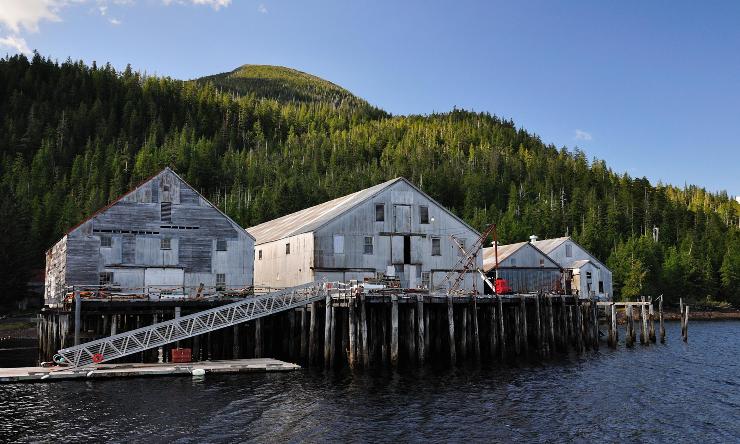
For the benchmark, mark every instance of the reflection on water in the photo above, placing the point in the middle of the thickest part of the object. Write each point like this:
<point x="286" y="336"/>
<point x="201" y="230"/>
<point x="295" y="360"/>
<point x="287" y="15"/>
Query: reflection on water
<point x="673" y="392"/>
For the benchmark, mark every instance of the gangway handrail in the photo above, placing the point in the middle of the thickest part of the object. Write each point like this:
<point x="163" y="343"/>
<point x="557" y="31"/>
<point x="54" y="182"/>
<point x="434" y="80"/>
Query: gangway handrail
<point x="156" y="335"/>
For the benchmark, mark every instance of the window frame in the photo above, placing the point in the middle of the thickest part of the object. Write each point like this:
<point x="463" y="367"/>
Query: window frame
<point x="381" y="207"/>
<point x="423" y="214"/>
<point x="287" y="248"/>
<point x="568" y="250"/>
<point x="105" y="282"/>
<point x="222" y="243"/>
<point x="165" y="243"/>
<point x="371" y="244"/>
<point x="438" y="241"/>
<point x="108" y="242"/>
<point x="220" y="281"/>
<point x="259" y="255"/>
<point x="338" y="243"/>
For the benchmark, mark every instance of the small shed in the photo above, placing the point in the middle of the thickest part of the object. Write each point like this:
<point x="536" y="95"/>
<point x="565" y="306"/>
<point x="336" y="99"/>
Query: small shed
<point x="525" y="267"/>
<point x="162" y="238"/>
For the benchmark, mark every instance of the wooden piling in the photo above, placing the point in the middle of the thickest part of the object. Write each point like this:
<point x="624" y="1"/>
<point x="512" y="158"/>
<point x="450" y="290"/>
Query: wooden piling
<point x="501" y="331"/>
<point x="680" y="317"/>
<point x="352" y="332"/>
<point x="630" y="327"/>
<point x="595" y="324"/>
<point x="421" y="328"/>
<point x="643" y="321"/>
<point x="492" y="330"/>
<point x="550" y="325"/>
<point x="538" y="324"/>
<point x="523" y="310"/>
<point x="563" y="324"/>
<point x="517" y="332"/>
<point x="394" y="330"/>
<point x="235" y="345"/>
<point x="313" y="343"/>
<point x="78" y="317"/>
<point x="686" y="324"/>
<point x="327" y="332"/>
<point x="612" y="325"/>
<point x="651" y="322"/>
<point x="364" y="353"/>
<point x="578" y="326"/>
<point x="662" y="326"/>
<point x="451" y="329"/>
<point x="333" y="336"/>
<point x="411" y="332"/>
<point x="258" y="338"/>
<point x="476" y="335"/>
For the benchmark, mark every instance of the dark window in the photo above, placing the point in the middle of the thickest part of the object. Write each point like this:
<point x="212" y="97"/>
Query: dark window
<point x="424" y="215"/>
<point x="379" y="212"/>
<point x="407" y="249"/>
<point x="220" y="281"/>
<point x="513" y="262"/>
<point x="368" y="245"/>
<point x="259" y="255"/>
<point x="106" y="278"/>
<point x="105" y="241"/>
<point x="601" y="286"/>
<point x="568" y="250"/>
<point x="425" y="279"/>
<point x="436" y="247"/>
<point x="287" y="248"/>
<point x="542" y="262"/>
<point x="220" y="245"/>
<point x="166" y="211"/>
<point x="164" y="243"/>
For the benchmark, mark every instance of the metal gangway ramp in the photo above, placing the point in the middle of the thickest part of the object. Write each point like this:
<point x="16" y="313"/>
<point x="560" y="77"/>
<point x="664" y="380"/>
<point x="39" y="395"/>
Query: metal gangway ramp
<point x="135" y="341"/>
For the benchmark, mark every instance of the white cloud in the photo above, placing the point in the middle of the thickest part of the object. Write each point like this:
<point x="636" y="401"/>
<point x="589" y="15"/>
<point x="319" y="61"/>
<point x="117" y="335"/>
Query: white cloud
<point x="262" y="8"/>
<point x="114" y="21"/>
<point x="582" y="135"/>
<point x="27" y="14"/>
<point x="15" y="42"/>
<point x="215" y="4"/>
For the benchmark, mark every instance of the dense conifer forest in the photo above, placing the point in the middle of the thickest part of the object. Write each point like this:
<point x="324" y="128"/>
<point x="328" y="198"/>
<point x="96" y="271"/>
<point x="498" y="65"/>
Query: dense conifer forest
<point x="74" y="137"/>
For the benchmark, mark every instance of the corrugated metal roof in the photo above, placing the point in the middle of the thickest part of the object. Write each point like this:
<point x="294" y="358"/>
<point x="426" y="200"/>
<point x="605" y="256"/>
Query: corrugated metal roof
<point x="547" y="245"/>
<point x="310" y="219"/>
<point x="504" y="251"/>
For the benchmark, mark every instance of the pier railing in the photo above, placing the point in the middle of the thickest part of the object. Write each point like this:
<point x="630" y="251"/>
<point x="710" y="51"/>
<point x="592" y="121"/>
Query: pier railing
<point x="140" y="339"/>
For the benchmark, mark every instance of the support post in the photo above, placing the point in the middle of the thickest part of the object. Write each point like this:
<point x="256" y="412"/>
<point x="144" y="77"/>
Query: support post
<point x="680" y="309"/>
<point x="333" y="336"/>
<point x="351" y="324"/>
<point x="517" y="332"/>
<point x="327" y="331"/>
<point x="662" y="326"/>
<point x="411" y="332"/>
<point x="303" y="352"/>
<point x="686" y="324"/>
<point x="235" y="345"/>
<point x="78" y="317"/>
<point x="313" y="344"/>
<point x="258" y="338"/>
<point x="492" y="330"/>
<point x="420" y="338"/>
<point x="463" y="332"/>
<point x="476" y="337"/>
<point x="643" y="321"/>
<point x="550" y="325"/>
<point x="113" y="325"/>
<point x="630" y="327"/>
<point x="612" y="325"/>
<point x="651" y="321"/>
<point x="595" y="317"/>
<point x="394" y="330"/>
<point x="578" y="327"/>
<point x="523" y="311"/>
<point x="501" y="331"/>
<point x="538" y="326"/>
<point x="364" y="354"/>
<point x="451" y="329"/>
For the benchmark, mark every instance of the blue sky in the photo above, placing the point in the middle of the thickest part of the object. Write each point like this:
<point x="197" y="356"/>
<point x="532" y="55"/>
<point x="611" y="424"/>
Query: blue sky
<point x="652" y="87"/>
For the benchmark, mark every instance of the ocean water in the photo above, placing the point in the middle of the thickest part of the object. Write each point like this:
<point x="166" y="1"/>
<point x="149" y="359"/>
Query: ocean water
<point x="675" y="392"/>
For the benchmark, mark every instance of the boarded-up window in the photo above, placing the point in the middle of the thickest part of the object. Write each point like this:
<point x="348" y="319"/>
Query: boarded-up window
<point x="368" y="245"/>
<point x="379" y="212"/>
<point x="423" y="215"/>
<point x="105" y="241"/>
<point x="220" y="281"/>
<point x="338" y="244"/>
<point x="287" y="248"/>
<point x="436" y="247"/>
<point x="164" y="243"/>
<point x="220" y="245"/>
<point x="165" y="211"/>
<point x="106" y="278"/>
<point x="568" y="250"/>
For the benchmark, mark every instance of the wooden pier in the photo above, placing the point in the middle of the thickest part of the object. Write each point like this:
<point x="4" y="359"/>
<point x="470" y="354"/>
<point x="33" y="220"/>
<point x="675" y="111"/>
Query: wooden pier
<point x="380" y="328"/>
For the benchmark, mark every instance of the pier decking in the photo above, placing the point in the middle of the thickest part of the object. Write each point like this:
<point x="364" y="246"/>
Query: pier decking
<point x="48" y="374"/>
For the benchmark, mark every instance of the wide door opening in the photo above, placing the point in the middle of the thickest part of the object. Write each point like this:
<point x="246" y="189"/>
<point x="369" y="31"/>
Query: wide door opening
<point x="407" y="249"/>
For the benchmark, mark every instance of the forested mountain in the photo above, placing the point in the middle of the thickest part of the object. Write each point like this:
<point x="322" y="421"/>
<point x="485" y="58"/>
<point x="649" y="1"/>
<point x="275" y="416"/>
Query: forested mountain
<point x="286" y="85"/>
<point x="74" y="137"/>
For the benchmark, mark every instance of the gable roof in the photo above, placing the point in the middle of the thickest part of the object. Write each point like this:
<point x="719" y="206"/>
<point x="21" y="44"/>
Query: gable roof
<point x="549" y="245"/>
<point x="313" y="218"/>
<point x="141" y="184"/>
<point x="505" y="251"/>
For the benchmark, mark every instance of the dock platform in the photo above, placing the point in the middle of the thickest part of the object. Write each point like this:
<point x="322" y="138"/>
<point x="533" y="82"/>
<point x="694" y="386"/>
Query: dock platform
<point x="48" y="374"/>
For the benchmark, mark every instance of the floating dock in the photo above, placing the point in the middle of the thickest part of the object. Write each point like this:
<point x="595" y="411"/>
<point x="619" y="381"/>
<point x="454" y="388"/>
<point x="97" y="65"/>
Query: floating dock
<point x="48" y="374"/>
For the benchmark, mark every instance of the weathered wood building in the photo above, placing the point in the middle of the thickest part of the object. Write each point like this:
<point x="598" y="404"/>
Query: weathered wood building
<point x="584" y="273"/>
<point x="390" y="229"/>
<point x="161" y="238"/>
<point x="525" y="267"/>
